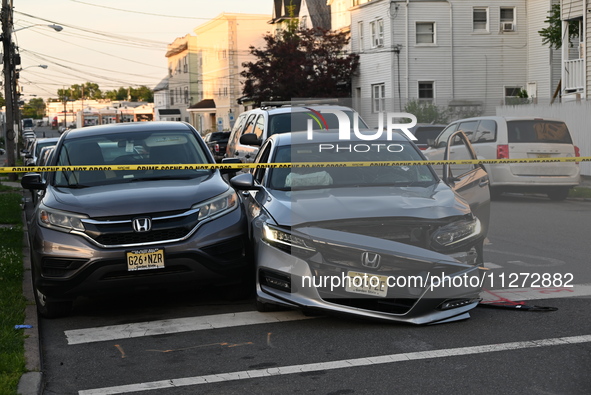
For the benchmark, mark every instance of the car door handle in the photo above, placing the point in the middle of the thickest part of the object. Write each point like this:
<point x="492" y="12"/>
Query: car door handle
<point x="484" y="183"/>
<point x="247" y="156"/>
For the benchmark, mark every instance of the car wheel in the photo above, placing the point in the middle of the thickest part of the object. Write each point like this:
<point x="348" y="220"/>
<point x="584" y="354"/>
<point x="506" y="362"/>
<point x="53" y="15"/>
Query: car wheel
<point x="558" y="194"/>
<point x="51" y="308"/>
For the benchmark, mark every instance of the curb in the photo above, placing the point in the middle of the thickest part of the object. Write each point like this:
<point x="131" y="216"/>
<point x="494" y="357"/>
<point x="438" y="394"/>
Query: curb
<point x="31" y="382"/>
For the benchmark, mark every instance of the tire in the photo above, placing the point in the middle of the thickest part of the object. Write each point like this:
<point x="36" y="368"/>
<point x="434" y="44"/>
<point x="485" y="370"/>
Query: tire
<point x="558" y="194"/>
<point x="48" y="308"/>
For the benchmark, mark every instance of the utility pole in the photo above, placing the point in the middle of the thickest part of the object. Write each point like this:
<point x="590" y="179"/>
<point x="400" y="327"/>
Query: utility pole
<point x="9" y="84"/>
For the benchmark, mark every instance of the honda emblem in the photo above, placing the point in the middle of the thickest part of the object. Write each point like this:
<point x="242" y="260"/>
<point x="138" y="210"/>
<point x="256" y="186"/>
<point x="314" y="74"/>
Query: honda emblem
<point x="370" y="259"/>
<point x="142" y="224"/>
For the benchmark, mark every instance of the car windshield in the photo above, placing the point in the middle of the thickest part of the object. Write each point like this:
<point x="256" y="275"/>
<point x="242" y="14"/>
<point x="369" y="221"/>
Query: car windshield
<point x="144" y="149"/>
<point x="298" y="121"/>
<point x="317" y="177"/>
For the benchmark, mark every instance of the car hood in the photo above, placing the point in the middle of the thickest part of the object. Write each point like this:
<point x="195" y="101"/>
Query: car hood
<point x="294" y="208"/>
<point x="134" y="198"/>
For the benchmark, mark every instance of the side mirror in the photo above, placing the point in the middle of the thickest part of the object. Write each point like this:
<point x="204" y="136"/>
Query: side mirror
<point x="244" y="182"/>
<point x="431" y="143"/>
<point x="250" y="139"/>
<point x="33" y="181"/>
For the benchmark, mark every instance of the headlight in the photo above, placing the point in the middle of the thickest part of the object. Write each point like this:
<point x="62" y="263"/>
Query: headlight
<point x="217" y="206"/>
<point x="285" y="241"/>
<point x="60" y="220"/>
<point x="455" y="234"/>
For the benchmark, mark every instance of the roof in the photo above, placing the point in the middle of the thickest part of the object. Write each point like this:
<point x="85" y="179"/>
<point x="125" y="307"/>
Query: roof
<point x="126" y="127"/>
<point x="319" y="14"/>
<point x="204" y="104"/>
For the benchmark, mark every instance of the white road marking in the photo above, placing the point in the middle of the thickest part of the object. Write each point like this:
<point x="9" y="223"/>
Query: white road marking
<point x="345" y="363"/>
<point x="90" y="335"/>
<point x="545" y="261"/>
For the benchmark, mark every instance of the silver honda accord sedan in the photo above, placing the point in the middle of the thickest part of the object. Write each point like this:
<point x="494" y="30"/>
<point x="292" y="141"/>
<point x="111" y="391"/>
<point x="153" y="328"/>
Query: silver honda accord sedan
<point x="335" y="228"/>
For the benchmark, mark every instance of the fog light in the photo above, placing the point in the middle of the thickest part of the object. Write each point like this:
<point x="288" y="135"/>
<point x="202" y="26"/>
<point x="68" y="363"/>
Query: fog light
<point x="455" y="303"/>
<point x="275" y="280"/>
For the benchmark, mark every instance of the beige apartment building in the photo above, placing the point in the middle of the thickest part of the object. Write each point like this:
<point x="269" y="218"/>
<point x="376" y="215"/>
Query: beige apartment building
<point x="222" y="46"/>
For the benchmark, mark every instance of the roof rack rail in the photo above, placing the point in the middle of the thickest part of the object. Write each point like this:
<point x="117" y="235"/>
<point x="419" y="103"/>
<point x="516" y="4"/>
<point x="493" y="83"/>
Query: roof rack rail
<point x="299" y="102"/>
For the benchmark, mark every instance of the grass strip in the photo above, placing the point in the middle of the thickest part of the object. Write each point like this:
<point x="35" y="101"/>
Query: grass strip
<point x="12" y="301"/>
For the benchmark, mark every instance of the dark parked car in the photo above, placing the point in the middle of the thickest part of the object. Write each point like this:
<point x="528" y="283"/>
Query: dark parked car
<point x="426" y="132"/>
<point x="98" y="229"/>
<point x="217" y="142"/>
<point x="390" y="242"/>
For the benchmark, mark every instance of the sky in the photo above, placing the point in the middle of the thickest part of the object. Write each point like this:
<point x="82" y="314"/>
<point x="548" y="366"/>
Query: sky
<point x="112" y="43"/>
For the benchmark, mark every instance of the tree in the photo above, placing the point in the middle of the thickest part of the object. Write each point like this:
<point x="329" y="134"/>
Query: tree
<point x="300" y="63"/>
<point x="143" y="93"/>
<point x="552" y="35"/>
<point x="35" y="108"/>
<point x="88" y="90"/>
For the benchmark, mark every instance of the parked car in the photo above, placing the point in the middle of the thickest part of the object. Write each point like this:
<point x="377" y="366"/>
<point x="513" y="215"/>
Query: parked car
<point x="311" y="223"/>
<point x="32" y="155"/>
<point x="29" y="135"/>
<point x="217" y="142"/>
<point x="498" y="137"/>
<point x="97" y="230"/>
<point x="27" y="123"/>
<point x="281" y="117"/>
<point x="28" y="145"/>
<point x="44" y="158"/>
<point x="425" y="132"/>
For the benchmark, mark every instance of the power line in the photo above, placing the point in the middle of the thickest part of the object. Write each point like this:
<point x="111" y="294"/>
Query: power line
<point x="147" y="13"/>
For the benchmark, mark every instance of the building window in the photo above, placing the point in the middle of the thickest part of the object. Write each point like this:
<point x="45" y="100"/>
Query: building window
<point x="513" y="95"/>
<point x="186" y="94"/>
<point x="425" y="33"/>
<point x="507" y="19"/>
<point x="172" y="97"/>
<point x="426" y="91"/>
<point x="378" y="96"/>
<point x="480" y="19"/>
<point x="185" y="64"/>
<point x="377" y="33"/>
<point x="360" y="35"/>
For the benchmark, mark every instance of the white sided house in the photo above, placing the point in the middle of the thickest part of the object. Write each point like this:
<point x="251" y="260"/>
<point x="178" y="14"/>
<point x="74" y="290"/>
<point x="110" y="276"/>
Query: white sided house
<point x="465" y="58"/>
<point x="576" y="61"/>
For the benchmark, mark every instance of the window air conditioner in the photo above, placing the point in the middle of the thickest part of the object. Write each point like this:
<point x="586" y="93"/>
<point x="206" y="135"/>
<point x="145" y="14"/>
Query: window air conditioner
<point x="507" y="27"/>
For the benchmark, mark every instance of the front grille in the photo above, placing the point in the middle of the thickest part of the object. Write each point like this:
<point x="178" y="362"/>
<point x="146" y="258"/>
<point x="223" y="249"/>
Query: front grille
<point x="138" y="238"/>
<point x="119" y="230"/>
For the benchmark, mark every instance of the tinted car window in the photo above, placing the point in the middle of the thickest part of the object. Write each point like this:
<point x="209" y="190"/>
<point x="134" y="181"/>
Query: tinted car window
<point x="426" y="133"/>
<point x="538" y="131"/>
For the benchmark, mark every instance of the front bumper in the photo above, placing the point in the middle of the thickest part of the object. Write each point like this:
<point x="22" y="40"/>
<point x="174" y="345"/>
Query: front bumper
<point x="429" y="302"/>
<point x="67" y="265"/>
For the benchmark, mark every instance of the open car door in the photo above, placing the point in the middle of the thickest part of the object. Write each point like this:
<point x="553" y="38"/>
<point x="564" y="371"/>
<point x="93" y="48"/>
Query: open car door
<point x="473" y="184"/>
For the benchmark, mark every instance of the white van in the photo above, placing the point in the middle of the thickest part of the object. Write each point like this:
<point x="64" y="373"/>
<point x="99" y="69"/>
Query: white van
<point x="498" y="137"/>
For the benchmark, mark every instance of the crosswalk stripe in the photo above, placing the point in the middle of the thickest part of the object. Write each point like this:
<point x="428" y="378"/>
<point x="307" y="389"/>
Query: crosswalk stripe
<point x="177" y="325"/>
<point x="340" y="364"/>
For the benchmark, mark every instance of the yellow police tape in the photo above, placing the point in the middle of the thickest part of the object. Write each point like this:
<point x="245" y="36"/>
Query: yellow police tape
<point x="240" y="166"/>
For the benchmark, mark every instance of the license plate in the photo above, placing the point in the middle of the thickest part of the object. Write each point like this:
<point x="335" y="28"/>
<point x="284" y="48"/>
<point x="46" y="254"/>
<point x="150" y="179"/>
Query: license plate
<point x="145" y="259"/>
<point x="543" y="155"/>
<point x="367" y="284"/>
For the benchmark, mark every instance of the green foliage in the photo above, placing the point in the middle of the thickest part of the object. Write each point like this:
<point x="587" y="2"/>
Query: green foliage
<point x="92" y="91"/>
<point x="427" y="112"/>
<point x="12" y="302"/>
<point x="552" y="34"/>
<point x="300" y="63"/>
<point x="35" y="108"/>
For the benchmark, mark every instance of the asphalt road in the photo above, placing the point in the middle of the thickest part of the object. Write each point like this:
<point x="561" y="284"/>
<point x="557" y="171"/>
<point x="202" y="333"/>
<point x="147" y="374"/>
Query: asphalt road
<point x="197" y="342"/>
